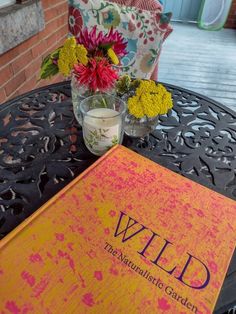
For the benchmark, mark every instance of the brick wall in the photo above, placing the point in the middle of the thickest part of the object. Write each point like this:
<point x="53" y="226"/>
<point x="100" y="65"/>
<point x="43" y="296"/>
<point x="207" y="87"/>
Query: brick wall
<point x="231" y="21"/>
<point x="19" y="67"/>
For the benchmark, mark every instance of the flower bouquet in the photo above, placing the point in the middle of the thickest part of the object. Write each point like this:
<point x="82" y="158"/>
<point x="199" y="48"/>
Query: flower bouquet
<point x="146" y="100"/>
<point x="92" y="61"/>
<point x="91" y="58"/>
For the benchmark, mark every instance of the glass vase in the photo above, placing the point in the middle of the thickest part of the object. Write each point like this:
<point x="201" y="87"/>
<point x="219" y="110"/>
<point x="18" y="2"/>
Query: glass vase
<point x="78" y="93"/>
<point x="139" y="127"/>
<point x="102" y="122"/>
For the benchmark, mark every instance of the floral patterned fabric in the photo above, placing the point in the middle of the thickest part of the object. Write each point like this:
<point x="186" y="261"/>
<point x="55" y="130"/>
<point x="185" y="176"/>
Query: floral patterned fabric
<point x="144" y="30"/>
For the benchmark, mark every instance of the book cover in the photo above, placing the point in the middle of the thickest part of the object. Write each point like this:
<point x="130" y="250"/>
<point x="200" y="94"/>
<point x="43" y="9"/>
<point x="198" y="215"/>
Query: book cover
<point x="126" y="236"/>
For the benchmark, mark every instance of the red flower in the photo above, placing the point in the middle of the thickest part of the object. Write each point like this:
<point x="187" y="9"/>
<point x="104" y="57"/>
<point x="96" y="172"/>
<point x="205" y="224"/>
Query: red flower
<point x="75" y="21"/>
<point x="97" y="75"/>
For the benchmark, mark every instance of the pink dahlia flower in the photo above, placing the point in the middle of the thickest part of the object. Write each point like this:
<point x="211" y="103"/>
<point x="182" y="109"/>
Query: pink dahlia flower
<point x="97" y="75"/>
<point x="92" y="41"/>
<point x="118" y="43"/>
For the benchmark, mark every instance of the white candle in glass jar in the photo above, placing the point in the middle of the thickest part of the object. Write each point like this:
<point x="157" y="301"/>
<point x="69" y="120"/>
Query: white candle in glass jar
<point x="101" y="129"/>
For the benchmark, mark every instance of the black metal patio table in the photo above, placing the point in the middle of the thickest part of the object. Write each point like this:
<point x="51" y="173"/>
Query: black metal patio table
<point x="41" y="150"/>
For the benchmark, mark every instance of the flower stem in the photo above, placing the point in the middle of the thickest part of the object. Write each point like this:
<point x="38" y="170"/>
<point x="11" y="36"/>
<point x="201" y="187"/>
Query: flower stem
<point x="104" y="102"/>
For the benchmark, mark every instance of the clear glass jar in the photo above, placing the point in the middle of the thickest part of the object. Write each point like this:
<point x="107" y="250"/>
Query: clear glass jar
<point x="78" y="93"/>
<point x="102" y="118"/>
<point x="139" y="127"/>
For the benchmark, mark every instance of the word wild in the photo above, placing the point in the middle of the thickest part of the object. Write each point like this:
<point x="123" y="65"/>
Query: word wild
<point x="131" y="225"/>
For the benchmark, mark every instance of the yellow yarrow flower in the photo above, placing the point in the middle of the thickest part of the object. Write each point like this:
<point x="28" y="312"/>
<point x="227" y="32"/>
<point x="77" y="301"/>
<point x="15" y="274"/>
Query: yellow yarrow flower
<point x="135" y="107"/>
<point x="150" y="100"/>
<point x="112" y="55"/>
<point x="70" y="42"/>
<point x="146" y="87"/>
<point x="81" y="54"/>
<point x="71" y="54"/>
<point x="166" y="102"/>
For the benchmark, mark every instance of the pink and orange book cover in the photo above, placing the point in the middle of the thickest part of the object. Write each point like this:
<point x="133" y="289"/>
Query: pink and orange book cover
<point x="126" y="236"/>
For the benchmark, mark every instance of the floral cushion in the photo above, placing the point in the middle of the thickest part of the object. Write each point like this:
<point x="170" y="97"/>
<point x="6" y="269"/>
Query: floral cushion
<point x="144" y="30"/>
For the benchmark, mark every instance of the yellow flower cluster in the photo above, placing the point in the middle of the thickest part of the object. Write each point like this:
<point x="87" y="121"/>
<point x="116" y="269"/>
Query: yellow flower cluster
<point x="150" y="100"/>
<point x="71" y="54"/>
<point x="112" y="55"/>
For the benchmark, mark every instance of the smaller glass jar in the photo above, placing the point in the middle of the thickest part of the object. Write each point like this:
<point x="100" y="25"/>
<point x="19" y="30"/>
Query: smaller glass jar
<point x="139" y="127"/>
<point x="102" y="117"/>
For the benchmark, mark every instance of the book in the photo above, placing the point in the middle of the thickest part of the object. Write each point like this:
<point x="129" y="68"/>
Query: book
<point x="126" y="236"/>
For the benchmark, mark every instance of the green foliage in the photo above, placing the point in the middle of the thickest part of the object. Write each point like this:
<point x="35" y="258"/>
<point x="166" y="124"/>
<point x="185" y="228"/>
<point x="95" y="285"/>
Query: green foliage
<point x="107" y="46"/>
<point x="123" y="85"/>
<point x="48" y="67"/>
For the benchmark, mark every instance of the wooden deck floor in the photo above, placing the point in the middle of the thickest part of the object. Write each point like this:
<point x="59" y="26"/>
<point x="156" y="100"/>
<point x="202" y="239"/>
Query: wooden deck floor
<point x="202" y="61"/>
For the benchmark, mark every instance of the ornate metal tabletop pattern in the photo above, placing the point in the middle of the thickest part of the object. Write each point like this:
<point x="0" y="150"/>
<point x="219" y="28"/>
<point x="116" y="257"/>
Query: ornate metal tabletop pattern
<point x="41" y="147"/>
<point x="198" y="140"/>
<point x="41" y="150"/>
